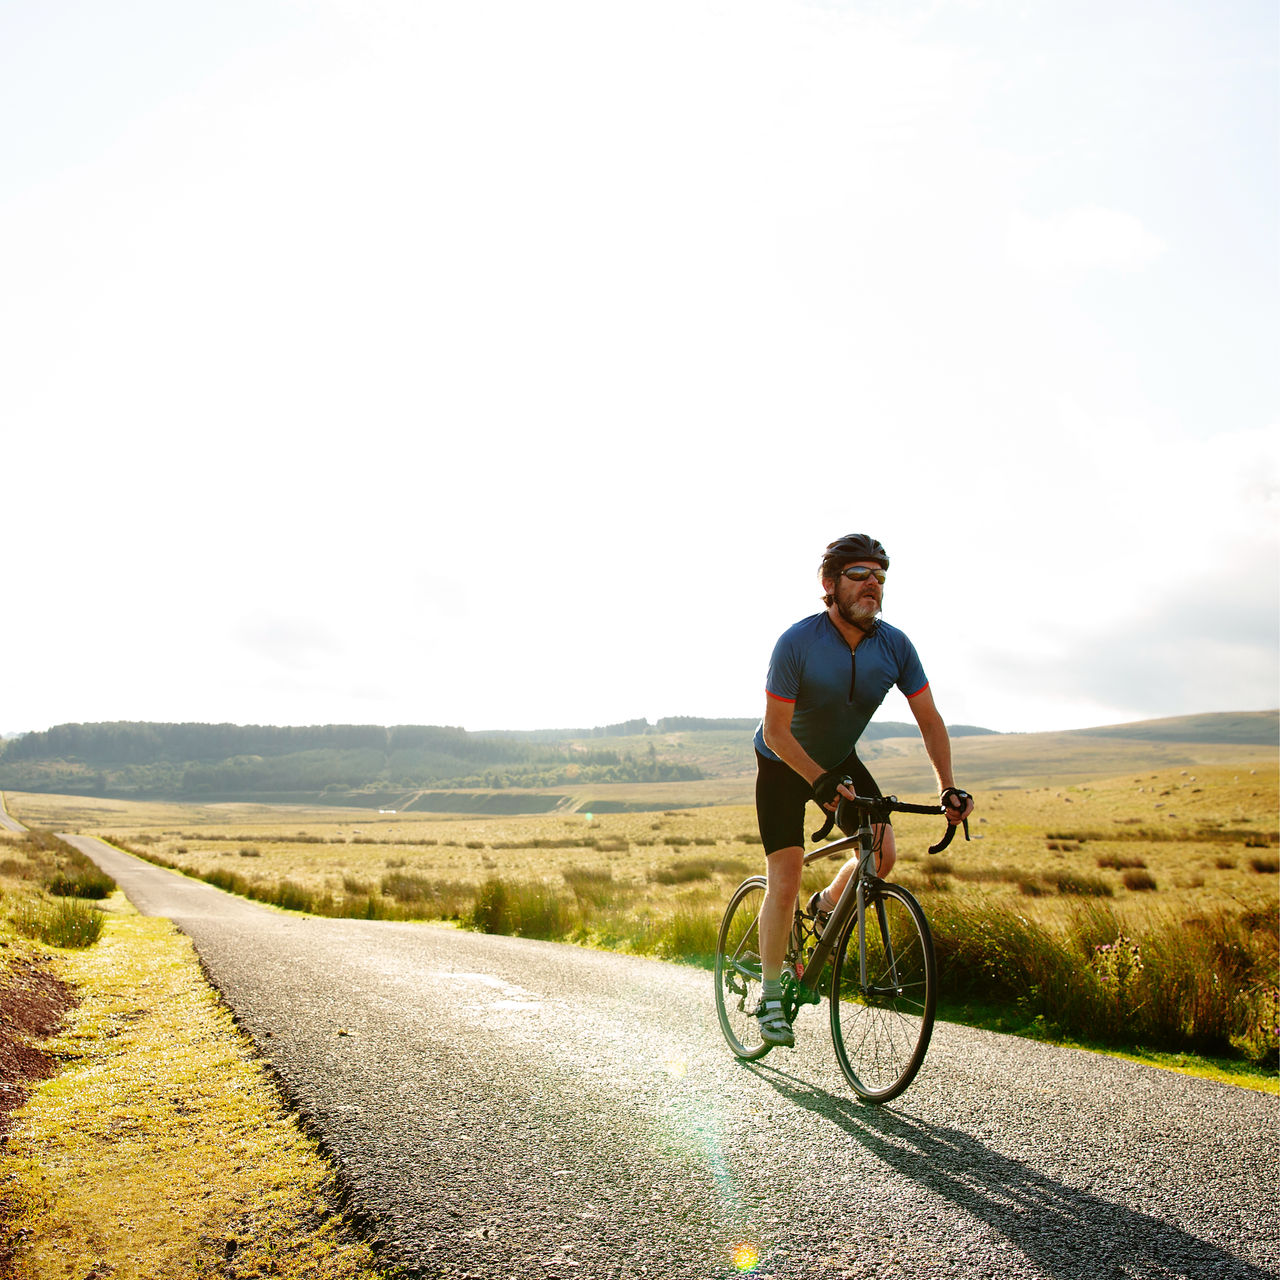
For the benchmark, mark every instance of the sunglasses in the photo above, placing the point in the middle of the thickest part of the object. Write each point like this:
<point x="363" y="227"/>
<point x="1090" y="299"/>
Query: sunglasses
<point x="860" y="573"/>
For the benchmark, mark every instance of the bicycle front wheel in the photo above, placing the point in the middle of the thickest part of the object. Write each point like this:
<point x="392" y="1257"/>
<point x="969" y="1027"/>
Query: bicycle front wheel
<point x="881" y="1025"/>
<point x="738" y="979"/>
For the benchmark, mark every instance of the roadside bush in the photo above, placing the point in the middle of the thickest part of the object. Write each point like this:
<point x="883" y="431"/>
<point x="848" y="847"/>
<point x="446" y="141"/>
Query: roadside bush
<point x="523" y="910"/>
<point x="424" y="898"/>
<point x="592" y="886"/>
<point x="81" y="882"/>
<point x="1207" y="984"/>
<point x="228" y="881"/>
<point x="690" y="935"/>
<point x="1265" y="866"/>
<point x="67" y="923"/>
<point x="286" y="894"/>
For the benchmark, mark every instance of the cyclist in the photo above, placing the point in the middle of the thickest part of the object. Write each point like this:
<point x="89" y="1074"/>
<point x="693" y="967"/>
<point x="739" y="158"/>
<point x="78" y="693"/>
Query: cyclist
<point x="827" y="676"/>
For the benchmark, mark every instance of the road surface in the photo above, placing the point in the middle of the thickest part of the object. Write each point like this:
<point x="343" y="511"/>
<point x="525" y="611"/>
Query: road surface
<point x="502" y="1107"/>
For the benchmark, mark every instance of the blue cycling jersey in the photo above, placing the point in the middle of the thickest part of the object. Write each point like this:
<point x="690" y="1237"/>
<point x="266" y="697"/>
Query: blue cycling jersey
<point x="836" y="690"/>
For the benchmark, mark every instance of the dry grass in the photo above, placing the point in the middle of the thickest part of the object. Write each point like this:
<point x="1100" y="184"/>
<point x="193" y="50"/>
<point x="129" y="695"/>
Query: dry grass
<point x="656" y="882"/>
<point x="161" y="1150"/>
<point x="1186" y="825"/>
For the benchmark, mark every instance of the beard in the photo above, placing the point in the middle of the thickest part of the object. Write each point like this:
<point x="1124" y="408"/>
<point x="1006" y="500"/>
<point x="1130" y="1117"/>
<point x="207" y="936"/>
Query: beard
<point x="859" y="610"/>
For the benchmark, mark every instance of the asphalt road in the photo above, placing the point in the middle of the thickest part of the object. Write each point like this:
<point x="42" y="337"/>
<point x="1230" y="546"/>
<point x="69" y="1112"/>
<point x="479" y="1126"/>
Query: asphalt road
<point x="502" y="1107"/>
<point x="7" y="823"/>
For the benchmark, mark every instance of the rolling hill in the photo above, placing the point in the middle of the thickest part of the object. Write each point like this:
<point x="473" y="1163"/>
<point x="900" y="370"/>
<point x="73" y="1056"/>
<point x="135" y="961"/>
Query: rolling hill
<point x="678" y="761"/>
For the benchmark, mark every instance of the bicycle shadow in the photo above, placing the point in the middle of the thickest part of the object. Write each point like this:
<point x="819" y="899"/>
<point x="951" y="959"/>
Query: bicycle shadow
<point x="1068" y="1233"/>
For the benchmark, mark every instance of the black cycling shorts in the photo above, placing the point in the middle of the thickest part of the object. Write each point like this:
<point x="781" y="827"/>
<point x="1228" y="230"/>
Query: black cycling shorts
<point x="781" y="796"/>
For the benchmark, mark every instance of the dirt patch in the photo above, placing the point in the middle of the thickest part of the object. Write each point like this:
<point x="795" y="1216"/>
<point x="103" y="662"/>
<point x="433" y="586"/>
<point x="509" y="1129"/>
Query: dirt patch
<point x="33" y="1003"/>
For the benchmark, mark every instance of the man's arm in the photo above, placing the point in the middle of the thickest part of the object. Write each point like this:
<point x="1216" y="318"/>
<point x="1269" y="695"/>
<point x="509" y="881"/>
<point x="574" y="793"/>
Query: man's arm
<point x="782" y="742"/>
<point x="937" y="742"/>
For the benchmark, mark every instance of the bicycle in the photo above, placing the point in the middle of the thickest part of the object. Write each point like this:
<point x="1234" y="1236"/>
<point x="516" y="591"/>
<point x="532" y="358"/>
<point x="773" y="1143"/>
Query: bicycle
<point x="883" y="985"/>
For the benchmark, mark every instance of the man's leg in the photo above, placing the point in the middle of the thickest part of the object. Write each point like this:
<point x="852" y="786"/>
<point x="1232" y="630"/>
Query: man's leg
<point x="887" y="856"/>
<point x="776" y="914"/>
<point x="784" y="869"/>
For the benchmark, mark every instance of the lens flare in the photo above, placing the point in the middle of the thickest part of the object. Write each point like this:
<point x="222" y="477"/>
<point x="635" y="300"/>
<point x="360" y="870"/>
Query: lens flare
<point x="746" y="1257"/>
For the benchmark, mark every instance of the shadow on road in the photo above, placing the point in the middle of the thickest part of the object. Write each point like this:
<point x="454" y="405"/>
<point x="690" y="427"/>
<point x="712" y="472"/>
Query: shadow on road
<point x="1068" y="1233"/>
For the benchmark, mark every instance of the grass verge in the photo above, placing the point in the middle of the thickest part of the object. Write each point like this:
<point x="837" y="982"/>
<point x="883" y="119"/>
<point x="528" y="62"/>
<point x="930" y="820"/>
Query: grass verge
<point x="162" y="1150"/>
<point x="1012" y="1020"/>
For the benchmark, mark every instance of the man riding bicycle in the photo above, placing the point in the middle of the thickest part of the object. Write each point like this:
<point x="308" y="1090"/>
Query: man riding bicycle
<point x="827" y="676"/>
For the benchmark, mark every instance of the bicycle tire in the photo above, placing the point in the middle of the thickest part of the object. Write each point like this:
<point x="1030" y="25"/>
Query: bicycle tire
<point x="738" y="978"/>
<point x="881" y="1035"/>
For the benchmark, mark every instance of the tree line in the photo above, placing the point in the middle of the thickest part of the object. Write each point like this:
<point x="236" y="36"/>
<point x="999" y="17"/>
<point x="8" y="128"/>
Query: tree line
<point x="172" y="761"/>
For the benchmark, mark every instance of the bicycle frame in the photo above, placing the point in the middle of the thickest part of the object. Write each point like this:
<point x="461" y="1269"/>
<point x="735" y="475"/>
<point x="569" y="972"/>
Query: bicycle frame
<point x="854" y="898"/>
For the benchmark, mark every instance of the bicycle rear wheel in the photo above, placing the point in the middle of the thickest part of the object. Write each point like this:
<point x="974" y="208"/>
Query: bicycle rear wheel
<point x="881" y="1030"/>
<point x="738" y="980"/>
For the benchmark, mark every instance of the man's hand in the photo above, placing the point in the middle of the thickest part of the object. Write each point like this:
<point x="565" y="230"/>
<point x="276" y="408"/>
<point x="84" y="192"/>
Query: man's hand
<point x="830" y="786"/>
<point x="957" y="803"/>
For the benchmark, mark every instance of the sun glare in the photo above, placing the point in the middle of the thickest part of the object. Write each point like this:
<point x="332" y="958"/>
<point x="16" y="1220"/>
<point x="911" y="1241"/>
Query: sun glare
<point x="746" y="1257"/>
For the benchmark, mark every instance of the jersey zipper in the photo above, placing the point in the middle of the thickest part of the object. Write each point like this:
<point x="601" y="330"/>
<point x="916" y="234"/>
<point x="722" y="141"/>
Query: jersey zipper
<point x="853" y="673"/>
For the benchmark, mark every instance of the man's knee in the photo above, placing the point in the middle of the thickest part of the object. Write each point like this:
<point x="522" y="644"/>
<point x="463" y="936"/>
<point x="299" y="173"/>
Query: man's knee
<point x="888" y="852"/>
<point x="784" y="871"/>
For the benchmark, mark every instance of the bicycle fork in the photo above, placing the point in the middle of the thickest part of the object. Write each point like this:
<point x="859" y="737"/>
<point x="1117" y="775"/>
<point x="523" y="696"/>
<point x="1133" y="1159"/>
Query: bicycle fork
<point x="889" y="962"/>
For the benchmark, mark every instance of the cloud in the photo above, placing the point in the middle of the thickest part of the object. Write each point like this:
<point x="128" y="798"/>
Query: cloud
<point x="1063" y="245"/>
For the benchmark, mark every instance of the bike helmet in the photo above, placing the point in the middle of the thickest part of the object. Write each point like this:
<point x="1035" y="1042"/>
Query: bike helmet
<point x="853" y="546"/>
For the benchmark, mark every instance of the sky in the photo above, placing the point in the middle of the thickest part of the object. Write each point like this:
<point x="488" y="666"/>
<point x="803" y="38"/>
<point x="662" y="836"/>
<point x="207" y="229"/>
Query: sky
<point x="509" y="366"/>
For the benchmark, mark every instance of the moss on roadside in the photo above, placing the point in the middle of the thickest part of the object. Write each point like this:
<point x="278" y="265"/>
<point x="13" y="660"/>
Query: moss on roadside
<point x="162" y="1149"/>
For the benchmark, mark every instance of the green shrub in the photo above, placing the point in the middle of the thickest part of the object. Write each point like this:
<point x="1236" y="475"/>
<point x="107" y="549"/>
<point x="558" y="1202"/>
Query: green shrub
<point x="1207" y="984"/>
<point x="492" y="911"/>
<point x="525" y="910"/>
<point x="424" y="898"/>
<point x="1120" y="862"/>
<point x="690" y="935"/>
<point x="81" y="882"/>
<point x="1083" y="886"/>
<point x="690" y="869"/>
<point x="592" y="886"/>
<point x="66" y="923"/>
<point x="1139" y="881"/>
<point x="229" y="881"/>
<point x="286" y="894"/>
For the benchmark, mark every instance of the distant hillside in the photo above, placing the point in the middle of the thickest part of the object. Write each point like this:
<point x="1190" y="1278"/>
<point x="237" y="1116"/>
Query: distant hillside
<point x="1260" y="728"/>
<point x="677" y="761"/>
<point x="348" y="763"/>
<point x="326" y="762"/>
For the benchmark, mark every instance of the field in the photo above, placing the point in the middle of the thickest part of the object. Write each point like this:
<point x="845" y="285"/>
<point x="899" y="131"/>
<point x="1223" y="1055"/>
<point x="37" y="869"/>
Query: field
<point x="1172" y="870"/>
